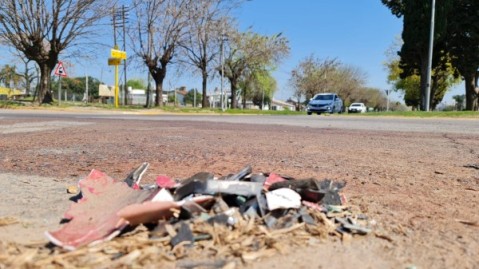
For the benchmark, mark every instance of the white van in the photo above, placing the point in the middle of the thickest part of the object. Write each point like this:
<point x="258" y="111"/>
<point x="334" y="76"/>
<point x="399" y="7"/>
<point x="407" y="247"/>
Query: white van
<point x="325" y="103"/>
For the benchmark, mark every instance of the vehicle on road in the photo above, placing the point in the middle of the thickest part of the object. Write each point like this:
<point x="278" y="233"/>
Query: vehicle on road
<point x="357" y="108"/>
<point x="325" y="103"/>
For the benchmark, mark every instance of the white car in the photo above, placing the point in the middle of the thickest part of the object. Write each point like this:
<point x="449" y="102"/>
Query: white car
<point x="357" y="108"/>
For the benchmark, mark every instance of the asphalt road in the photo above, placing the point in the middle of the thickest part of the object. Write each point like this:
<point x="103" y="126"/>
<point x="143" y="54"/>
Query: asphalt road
<point x="434" y="125"/>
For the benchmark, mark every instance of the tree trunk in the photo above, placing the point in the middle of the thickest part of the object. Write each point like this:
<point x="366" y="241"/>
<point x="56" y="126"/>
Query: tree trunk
<point x="159" y="75"/>
<point x="471" y="92"/>
<point x="234" y="87"/>
<point x="159" y="92"/>
<point x="243" y="98"/>
<point x="44" y="93"/>
<point x="204" y="101"/>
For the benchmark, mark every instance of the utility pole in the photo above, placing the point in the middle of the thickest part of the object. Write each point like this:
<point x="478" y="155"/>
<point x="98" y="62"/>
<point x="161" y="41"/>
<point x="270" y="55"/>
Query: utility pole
<point x="119" y="20"/>
<point x="222" y="102"/>
<point x="86" y="88"/>
<point x="429" y="63"/>
<point x="123" y="13"/>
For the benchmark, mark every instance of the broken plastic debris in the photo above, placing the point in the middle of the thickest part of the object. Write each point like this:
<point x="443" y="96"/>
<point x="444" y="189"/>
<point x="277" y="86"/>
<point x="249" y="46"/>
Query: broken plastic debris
<point x="283" y="198"/>
<point x="150" y="212"/>
<point x="165" y="182"/>
<point x="134" y="178"/>
<point x="272" y="178"/>
<point x="94" y="217"/>
<point x="241" y="174"/>
<point x="184" y="234"/>
<point x="163" y="196"/>
<point x="239" y="199"/>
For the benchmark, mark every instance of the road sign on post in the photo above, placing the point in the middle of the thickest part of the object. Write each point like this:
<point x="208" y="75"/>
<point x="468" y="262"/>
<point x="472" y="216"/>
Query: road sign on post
<point x="118" y="54"/>
<point x="60" y="70"/>
<point x="114" y="61"/>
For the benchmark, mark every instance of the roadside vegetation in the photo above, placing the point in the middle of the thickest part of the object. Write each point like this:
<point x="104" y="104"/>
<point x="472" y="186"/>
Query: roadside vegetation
<point x="189" y="110"/>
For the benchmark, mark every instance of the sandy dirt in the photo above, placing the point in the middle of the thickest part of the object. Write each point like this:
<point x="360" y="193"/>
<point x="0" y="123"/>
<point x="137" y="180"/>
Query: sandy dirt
<point x="416" y="186"/>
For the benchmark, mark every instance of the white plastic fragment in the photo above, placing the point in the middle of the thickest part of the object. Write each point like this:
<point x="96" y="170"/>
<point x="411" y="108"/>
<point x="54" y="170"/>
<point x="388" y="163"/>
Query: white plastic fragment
<point x="283" y="198"/>
<point x="163" y="196"/>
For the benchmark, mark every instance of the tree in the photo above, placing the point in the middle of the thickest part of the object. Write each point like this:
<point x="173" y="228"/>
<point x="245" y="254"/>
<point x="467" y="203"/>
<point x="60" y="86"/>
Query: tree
<point x="29" y="75"/>
<point x="161" y="25"/>
<point x="258" y="86"/>
<point x="463" y="45"/>
<point x="443" y="79"/>
<point x="41" y="30"/>
<point x="77" y="86"/>
<point x="190" y="97"/>
<point x="311" y="76"/>
<point x="314" y="75"/>
<point x="9" y="76"/>
<point x="459" y="101"/>
<point x="206" y="24"/>
<point x="248" y="52"/>
<point x="416" y="28"/>
<point x="136" y="84"/>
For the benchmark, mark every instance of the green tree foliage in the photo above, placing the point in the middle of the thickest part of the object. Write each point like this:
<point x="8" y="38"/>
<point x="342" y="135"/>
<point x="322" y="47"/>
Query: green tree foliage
<point x="248" y="53"/>
<point x="443" y="79"/>
<point x="9" y="76"/>
<point x="77" y="86"/>
<point x="136" y="84"/>
<point x="463" y="45"/>
<point x="190" y="97"/>
<point x="258" y="87"/>
<point x="459" y="101"/>
<point x="416" y="27"/>
<point x="371" y="97"/>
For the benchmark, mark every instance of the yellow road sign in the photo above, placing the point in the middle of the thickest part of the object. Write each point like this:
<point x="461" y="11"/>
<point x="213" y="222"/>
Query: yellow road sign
<point x="119" y="54"/>
<point x="114" y="61"/>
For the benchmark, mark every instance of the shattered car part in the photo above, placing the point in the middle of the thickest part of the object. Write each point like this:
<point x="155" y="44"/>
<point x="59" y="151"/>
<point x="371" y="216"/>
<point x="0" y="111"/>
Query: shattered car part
<point x="134" y="178"/>
<point x="150" y="212"/>
<point x="192" y="209"/>
<point x="94" y="217"/>
<point x="283" y="198"/>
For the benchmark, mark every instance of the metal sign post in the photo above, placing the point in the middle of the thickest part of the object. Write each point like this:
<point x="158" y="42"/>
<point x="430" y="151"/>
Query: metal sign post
<point x="59" y="90"/>
<point x="60" y="72"/>
<point x="116" y="57"/>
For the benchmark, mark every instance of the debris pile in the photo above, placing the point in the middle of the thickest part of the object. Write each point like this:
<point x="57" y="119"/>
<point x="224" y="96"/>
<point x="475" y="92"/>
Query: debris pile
<point x="200" y="221"/>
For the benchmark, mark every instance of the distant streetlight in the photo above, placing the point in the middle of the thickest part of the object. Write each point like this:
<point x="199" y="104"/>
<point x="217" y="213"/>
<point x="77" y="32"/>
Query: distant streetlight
<point x="429" y="64"/>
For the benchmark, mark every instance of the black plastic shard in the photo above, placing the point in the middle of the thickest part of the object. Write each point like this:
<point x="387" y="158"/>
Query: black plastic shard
<point x="194" y="184"/>
<point x="136" y="175"/>
<point x="184" y="234"/>
<point x="241" y="174"/>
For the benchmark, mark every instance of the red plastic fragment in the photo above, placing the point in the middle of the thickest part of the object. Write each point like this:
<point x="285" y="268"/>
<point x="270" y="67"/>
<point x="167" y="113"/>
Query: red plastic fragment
<point x="165" y="182"/>
<point x="150" y="212"/>
<point x="272" y="178"/>
<point x="94" y="217"/>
